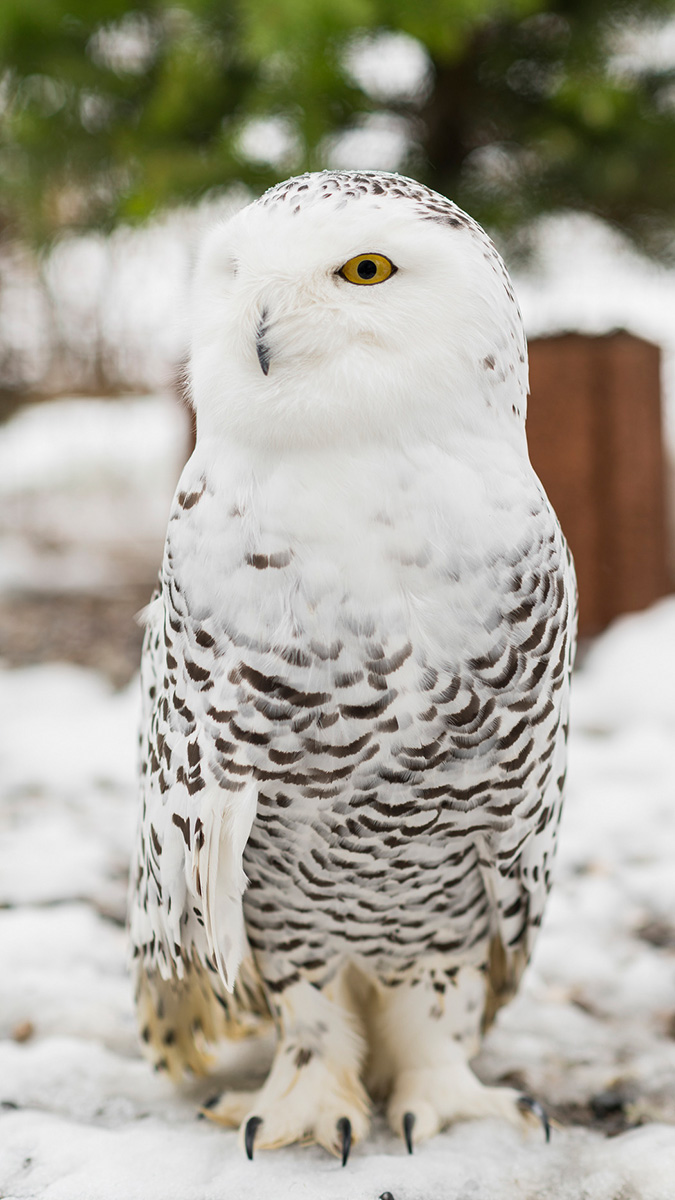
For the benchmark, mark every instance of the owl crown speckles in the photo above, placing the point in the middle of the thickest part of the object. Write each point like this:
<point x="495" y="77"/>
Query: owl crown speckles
<point x="312" y="188"/>
<point x="355" y="671"/>
<point x="339" y="187"/>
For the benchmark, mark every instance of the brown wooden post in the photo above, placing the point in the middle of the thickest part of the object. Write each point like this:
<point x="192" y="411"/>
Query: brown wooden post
<point x="596" y="442"/>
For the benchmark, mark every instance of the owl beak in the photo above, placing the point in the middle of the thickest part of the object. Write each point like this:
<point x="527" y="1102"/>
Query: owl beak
<point x="262" y="349"/>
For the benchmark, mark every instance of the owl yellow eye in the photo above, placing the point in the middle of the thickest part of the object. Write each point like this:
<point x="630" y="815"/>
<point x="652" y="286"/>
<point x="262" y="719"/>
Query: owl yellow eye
<point x="367" y="268"/>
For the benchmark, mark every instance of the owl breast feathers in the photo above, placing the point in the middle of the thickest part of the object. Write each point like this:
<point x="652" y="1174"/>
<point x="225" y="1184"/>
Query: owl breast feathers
<point x="356" y="670"/>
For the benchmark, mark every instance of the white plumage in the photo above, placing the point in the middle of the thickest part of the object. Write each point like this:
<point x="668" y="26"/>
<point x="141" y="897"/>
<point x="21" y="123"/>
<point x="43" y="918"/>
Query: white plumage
<point x="356" y="670"/>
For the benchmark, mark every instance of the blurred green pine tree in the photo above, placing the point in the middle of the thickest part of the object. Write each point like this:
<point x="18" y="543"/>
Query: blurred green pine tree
<point x="109" y="110"/>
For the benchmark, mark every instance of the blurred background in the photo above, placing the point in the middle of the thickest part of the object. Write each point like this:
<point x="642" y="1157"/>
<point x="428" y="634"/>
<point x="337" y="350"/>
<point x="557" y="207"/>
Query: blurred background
<point x="125" y="128"/>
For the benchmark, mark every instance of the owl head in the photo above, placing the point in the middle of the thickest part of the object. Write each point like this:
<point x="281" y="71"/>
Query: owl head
<point x="345" y="307"/>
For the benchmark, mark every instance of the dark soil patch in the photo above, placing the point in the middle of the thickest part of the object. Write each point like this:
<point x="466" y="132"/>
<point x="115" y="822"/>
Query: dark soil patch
<point x="97" y="631"/>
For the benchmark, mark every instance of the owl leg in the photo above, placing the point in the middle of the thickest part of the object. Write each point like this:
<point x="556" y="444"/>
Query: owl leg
<point x="422" y="1035"/>
<point x="313" y="1092"/>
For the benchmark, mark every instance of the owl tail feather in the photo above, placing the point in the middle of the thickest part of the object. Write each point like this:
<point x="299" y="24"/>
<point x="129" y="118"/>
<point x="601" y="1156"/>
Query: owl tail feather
<point x="218" y="866"/>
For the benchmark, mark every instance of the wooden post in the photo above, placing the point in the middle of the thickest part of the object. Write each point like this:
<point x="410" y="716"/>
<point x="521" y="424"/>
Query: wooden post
<point x="596" y="442"/>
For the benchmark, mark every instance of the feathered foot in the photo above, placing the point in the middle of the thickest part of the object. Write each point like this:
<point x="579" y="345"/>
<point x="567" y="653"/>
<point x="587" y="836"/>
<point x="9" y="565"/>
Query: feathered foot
<point x="313" y="1092"/>
<point x="422" y="1038"/>
<point x="427" y="1099"/>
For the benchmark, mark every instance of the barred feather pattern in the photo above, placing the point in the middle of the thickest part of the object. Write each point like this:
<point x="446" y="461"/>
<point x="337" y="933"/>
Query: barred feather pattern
<point x="382" y="761"/>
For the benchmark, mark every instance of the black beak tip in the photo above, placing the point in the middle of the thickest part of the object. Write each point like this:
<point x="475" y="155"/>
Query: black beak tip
<point x="262" y="349"/>
<point x="263" y="356"/>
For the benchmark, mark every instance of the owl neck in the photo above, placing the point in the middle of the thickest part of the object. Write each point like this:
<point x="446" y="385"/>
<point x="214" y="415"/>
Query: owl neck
<point x="336" y="476"/>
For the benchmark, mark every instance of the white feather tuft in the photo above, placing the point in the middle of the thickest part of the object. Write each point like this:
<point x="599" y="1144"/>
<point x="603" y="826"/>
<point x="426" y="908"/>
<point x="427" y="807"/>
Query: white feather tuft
<point x="223" y="881"/>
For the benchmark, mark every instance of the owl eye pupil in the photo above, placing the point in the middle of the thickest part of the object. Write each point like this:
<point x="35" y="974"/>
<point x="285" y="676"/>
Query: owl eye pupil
<point x="366" y="269"/>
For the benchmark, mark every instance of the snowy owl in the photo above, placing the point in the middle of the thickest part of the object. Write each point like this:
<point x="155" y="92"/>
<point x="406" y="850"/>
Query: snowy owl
<point x="355" y="673"/>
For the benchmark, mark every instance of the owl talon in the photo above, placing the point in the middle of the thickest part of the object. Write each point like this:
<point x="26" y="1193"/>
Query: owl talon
<point x="408" y="1123"/>
<point x="344" y="1126"/>
<point x="206" y="1107"/>
<point x="252" y="1126"/>
<point x="528" y="1104"/>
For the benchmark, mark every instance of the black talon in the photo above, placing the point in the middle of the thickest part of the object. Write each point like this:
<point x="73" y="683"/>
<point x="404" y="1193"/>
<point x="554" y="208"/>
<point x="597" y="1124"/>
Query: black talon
<point x="252" y="1126"/>
<point x="208" y="1104"/>
<point x="408" y="1122"/>
<point x="344" y="1126"/>
<point x="533" y="1106"/>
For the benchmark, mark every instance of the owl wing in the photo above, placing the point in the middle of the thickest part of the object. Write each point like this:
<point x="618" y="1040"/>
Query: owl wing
<point x="188" y="881"/>
<point x="516" y="864"/>
<point x="518" y="886"/>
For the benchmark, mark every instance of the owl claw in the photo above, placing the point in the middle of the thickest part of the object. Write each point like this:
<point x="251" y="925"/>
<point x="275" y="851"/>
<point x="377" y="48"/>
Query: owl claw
<point x="206" y="1106"/>
<point x="408" y="1123"/>
<point x="252" y="1126"/>
<point x="344" y="1126"/>
<point x="528" y="1104"/>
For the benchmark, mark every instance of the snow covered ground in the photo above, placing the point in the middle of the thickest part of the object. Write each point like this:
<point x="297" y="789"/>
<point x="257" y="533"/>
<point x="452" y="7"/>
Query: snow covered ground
<point x="82" y="1117"/>
<point x="85" y="487"/>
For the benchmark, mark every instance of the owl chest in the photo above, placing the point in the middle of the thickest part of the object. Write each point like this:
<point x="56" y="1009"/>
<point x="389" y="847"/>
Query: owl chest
<point x="380" y="873"/>
<point x="365" y="676"/>
<point x="371" y="792"/>
<point x="365" y="546"/>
